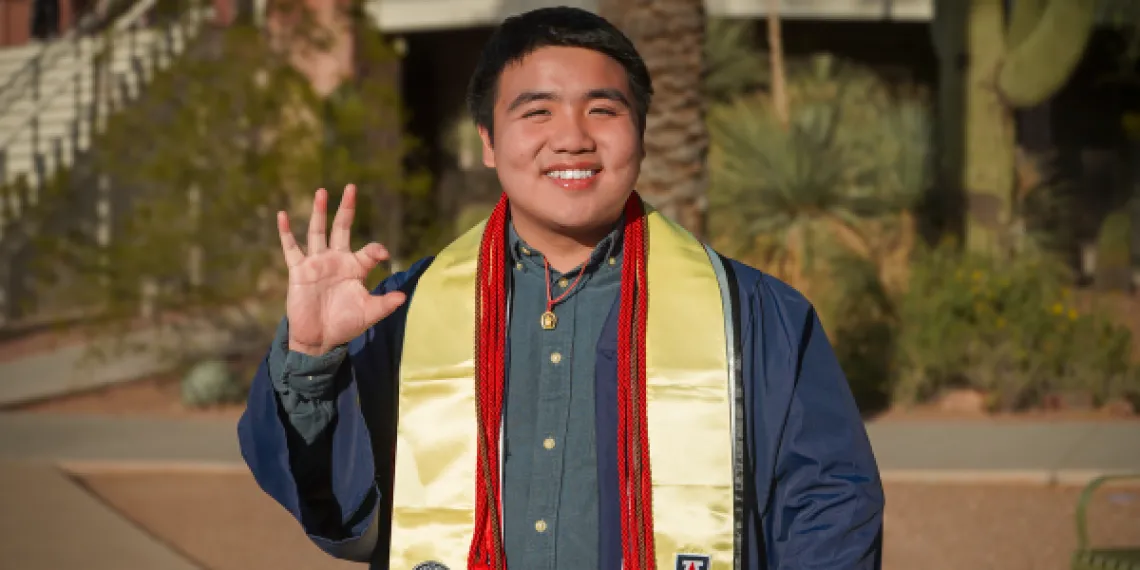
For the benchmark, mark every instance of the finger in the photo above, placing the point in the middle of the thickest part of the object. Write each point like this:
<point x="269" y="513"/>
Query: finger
<point x="341" y="236"/>
<point x="378" y="307"/>
<point x="316" y="240"/>
<point x="292" y="251"/>
<point x="371" y="255"/>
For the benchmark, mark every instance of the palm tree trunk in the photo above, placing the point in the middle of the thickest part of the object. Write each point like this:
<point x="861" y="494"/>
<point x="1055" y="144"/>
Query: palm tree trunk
<point x="776" y="55"/>
<point x="669" y="34"/>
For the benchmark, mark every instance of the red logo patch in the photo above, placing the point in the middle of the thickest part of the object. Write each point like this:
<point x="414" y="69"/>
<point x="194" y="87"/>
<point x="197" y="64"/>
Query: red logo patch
<point x="693" y="562"/>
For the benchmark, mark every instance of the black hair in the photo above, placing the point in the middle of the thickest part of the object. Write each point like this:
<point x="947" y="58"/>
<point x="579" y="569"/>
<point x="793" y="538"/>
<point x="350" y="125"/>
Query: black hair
<point x="520" y="35"/>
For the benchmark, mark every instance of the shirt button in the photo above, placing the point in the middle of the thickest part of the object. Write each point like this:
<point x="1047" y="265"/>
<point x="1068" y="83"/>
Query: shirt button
<point x="548" y="443"/>
<point x="518" y="266"/>
<point x="556" y="357"/>
<point x="524" y="250"/>
<point x="613" y="261"/>
<point x="540" y="526"/>
<point x="563" y="283"/>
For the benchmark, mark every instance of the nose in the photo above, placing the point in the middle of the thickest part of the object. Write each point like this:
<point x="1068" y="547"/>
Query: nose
<point x="571" y="135"/>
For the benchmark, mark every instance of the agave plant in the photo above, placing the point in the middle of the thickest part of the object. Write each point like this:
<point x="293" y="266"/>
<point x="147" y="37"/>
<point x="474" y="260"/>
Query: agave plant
<point x="852" y="158"/>
<point x="734" y="64"/>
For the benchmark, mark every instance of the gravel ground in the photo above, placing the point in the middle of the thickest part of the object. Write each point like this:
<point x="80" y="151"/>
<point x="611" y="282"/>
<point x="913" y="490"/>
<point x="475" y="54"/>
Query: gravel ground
<point x="224" y="522"/>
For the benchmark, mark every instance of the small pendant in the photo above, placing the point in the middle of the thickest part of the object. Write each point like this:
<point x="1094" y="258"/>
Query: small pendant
<point x="548" y="320"/>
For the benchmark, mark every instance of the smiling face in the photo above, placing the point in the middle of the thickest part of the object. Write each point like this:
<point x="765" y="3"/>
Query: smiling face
<point x="567" y="146"/>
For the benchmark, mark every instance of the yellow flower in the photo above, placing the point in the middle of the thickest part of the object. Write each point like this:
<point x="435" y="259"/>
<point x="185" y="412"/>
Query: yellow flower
<point x="1072" y="314"/>
<point x="1058" y="308"/>
<point x="977" y="275"/>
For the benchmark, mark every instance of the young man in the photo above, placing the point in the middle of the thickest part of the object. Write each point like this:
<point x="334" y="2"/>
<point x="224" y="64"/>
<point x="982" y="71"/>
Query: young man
<point x="575" y="383"/>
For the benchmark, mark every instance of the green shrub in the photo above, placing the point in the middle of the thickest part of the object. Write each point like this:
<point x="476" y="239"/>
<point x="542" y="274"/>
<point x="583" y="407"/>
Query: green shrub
<point x="210" y="383"/>
<point x="734" y="62"/>
<point x="854" y="157"/>
<point x="859" y="316"/>
<point x="1113" y="268"/>
<point x="1010" y="329"/>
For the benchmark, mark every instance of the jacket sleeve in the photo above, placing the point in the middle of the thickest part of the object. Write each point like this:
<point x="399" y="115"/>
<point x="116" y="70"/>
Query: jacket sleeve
<point x="304" y="384"/>
<point x="332" y="478"/>
<point x="826" y="502"/>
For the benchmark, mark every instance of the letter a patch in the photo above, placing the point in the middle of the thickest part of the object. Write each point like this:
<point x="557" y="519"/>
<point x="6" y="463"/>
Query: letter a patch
<point x="693" y="562"/>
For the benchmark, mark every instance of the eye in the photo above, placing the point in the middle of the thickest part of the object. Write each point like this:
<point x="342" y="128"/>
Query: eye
<point x="535" y="113"/>
<point x="604" y="111"/>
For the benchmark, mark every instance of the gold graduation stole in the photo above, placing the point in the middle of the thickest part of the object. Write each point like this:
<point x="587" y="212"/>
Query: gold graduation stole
<point x="689" y="408"/>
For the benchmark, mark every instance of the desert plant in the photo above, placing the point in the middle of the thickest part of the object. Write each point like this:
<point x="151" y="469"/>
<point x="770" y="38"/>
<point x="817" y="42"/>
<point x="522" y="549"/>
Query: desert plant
<point x="1010" y="328"/>
<point x="853" y="159"/>
<point x="858" y="312"/>
<point x="1112" y="252"/>
<point x="1015" y="62"/>
<point x="735" y="65"/>
<point x="210" y="383"/>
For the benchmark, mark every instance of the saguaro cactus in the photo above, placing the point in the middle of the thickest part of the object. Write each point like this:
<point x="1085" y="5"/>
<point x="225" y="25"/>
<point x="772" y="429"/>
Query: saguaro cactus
<point x="993" y="68"/>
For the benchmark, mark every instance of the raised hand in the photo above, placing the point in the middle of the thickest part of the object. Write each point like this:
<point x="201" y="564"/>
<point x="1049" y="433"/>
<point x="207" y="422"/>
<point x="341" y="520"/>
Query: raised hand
<point x="327" y="304"/>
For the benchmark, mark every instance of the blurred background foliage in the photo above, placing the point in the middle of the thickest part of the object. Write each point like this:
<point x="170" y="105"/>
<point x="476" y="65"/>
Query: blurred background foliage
<point x="839" y="202"/>
<point x="834" y="204"/>
<point x="200" y="162"/>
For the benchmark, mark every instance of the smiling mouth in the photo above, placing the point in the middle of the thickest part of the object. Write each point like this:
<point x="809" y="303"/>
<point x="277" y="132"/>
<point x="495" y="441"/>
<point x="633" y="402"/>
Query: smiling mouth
<point x="573" y="174"/>
<point x="574" y="178"/>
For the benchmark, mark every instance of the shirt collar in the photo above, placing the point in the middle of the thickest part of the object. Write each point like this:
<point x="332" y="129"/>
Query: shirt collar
<point x="606" y="253"/>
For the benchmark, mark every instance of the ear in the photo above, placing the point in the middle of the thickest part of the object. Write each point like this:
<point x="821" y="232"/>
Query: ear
<point x="488" y="147"/>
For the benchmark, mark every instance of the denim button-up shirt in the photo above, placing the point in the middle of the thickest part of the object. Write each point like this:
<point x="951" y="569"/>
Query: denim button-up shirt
<point x="550" y="487"/>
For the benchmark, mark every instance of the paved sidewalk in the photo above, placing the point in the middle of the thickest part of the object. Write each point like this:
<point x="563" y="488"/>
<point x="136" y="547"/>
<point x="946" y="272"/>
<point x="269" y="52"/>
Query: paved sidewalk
<point x="71" y="438"/>
<point x="48" y="521"/>
<point x="67" y="370"/>
<point x="1066" y="452"/>
<point x="1069" y="452"/>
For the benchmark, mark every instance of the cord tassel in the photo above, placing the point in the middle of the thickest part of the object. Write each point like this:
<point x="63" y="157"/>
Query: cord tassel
<point x="634" y="475"/>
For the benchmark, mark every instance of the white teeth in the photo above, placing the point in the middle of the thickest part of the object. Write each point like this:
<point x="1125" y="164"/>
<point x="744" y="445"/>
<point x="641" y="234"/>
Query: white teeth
<point x="570" y="174"/>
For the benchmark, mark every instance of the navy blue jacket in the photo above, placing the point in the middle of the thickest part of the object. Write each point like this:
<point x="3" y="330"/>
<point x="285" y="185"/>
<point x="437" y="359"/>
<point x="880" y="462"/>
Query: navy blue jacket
<point x="813" y="497"/>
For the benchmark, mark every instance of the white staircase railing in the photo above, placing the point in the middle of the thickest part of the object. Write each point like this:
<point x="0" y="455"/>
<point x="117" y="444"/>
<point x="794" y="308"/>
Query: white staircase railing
<point x="52" y="108"/>
<point x="52" y="96"/>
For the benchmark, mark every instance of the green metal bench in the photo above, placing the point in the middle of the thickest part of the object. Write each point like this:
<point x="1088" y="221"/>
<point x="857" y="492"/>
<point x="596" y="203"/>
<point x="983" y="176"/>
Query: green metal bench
<point x="1086" y="558"/>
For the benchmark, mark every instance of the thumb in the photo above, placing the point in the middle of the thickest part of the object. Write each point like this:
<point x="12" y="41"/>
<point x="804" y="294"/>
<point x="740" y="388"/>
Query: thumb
<point x="370" y="256"/>
<point x="377" y="307"/>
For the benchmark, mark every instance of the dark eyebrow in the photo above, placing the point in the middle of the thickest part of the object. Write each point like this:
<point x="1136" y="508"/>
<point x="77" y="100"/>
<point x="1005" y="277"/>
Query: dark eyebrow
<point x="610" y="94"/>
<point x="607" y="93"/>
<point x="530" y="97"/>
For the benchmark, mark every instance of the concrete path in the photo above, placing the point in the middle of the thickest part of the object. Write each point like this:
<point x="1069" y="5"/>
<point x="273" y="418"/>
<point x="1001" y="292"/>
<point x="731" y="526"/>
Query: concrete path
<point x="47" y="522"/>
<point x="70" y="369"/>
<point x="1068" y="452"/>
<point x="1048" y="452"/>
<point x="75" y="438"/>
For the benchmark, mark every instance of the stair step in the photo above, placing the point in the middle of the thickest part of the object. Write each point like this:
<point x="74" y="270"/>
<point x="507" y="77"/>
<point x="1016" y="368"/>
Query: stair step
<point x="62" y="85"/>
<point x="14" y="60"/>
<point x="60" y="108"/>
